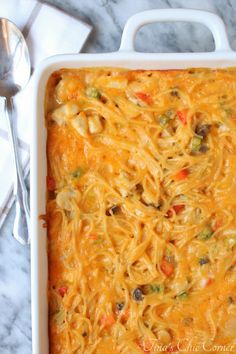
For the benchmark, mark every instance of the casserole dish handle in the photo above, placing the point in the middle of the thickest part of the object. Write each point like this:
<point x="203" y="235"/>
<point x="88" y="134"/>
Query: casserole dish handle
<point x="213" y="22"/>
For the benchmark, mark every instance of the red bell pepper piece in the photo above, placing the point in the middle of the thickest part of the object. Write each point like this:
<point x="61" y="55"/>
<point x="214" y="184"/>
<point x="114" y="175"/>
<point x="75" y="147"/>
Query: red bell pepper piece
<point x="63" y="290"/>
<point x="145" y="97"/>
<point x="182" y="116"/>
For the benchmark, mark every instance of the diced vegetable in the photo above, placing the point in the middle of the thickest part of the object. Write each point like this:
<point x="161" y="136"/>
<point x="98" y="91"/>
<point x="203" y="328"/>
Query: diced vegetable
<point x="120" y="312"/>
<point x="203" y="130"/>
<point x="167" y="267"/>
<point x="210" y="281"/>
<point x="204" y="148"/>
<point x="145" y="97"/>
<point x="107" y="321"/>
<point x="51" y="184"/>
<point x="124" y="315"/>
<point x="206" y="233"/>
<point x="170" y="114"/>
<point x="203" y="260"/>
<point x="182" y="116"/>
<point x="156" y="288"/>
<point x="169" y="213"/>
<point x="113" y="210"/>
<point x="178" y="208"/>
<point x="138" y="294"/>
<point x="63" y="290"/>
<point x="215" y="224"/>
<point x="163" y="120"/>
<point x="139" y="188"/>
<point x="182" y="296"/>
<point x="120" y="306"/>
<point x="174" y="93"/>
<point x="196" y="143"/>
<point x="182" y="174"/>
<point x="77" y="173"/>
<point x="92" y="92"/>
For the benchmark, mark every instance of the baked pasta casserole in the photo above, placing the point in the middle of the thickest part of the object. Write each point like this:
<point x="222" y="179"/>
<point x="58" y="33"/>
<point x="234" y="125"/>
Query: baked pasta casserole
<point x="141" y="211"/>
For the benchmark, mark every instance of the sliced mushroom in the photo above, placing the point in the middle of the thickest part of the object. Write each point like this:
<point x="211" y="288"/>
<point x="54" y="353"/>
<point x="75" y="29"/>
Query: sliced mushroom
<point x="203" y="130"/>
<point x="113" y="210"/>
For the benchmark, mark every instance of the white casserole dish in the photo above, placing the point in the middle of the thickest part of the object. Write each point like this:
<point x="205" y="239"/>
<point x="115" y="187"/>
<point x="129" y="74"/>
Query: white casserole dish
<point x="126" y="57"/>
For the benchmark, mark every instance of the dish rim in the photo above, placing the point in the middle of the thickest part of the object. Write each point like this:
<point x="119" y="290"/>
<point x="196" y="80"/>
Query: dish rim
<point x="126" y="57"/>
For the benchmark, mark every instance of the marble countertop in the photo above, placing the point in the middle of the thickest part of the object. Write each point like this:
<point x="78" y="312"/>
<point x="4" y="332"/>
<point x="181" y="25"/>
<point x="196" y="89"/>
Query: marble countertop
<point x="107" y="18"/>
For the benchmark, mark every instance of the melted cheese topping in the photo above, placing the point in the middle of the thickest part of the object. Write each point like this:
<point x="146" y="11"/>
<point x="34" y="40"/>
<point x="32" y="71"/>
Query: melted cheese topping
<point x="141" y="210"/>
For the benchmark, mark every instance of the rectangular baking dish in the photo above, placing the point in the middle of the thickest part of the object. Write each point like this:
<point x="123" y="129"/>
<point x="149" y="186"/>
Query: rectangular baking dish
<point x="126" y="57"/>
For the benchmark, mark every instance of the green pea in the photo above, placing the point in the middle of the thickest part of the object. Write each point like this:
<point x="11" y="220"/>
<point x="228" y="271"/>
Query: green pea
<point x="156" y="288"/>
<point x="92" y="92"/>
<point x="206" y="233"/>
<point x="196" y="143"/>
<point x="164" y="120"/>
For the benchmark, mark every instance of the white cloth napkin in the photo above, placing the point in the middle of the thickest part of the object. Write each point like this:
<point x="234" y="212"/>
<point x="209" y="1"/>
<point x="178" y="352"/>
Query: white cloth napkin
<point x="48" y="31"/>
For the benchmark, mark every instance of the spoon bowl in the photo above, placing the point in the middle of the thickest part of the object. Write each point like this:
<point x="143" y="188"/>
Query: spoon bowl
<point x="15" y="70"/>
<point x="14" y="59"/>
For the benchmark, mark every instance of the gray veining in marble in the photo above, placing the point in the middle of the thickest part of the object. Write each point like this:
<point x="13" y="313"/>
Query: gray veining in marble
<point x="108" y="18"/>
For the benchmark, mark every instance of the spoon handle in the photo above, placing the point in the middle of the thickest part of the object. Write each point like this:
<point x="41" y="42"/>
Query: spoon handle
<point x="21" y="228"/>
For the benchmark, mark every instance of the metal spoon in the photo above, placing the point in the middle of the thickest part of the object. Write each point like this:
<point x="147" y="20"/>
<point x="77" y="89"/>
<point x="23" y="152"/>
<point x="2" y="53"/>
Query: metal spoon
<point x="14" y="75"/>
